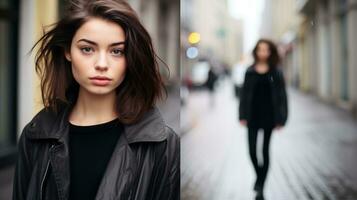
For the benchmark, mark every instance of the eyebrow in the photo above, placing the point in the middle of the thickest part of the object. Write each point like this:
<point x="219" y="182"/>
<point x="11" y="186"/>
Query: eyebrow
<point x="94" y="43"/>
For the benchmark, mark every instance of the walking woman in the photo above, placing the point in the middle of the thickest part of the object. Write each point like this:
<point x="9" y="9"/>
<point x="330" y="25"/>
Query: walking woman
<point x="263" y="105"/>
<point x="100" y="135"/>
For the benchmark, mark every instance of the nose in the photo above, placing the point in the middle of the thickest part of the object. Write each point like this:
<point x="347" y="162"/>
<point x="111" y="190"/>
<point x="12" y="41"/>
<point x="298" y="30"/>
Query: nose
<point x="102" y="63"/>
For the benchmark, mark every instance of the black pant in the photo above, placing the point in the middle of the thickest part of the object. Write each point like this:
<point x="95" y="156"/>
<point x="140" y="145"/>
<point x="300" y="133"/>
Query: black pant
<point x="261" y="171"/>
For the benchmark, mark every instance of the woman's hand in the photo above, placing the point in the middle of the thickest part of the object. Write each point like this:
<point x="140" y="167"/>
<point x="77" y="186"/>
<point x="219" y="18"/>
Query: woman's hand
<point x="243" y="122"/>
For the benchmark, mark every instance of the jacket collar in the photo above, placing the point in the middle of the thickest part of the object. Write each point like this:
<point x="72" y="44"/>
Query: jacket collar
<point x="48" y="125"/>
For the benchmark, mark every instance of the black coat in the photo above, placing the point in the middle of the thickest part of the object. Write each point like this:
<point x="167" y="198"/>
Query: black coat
<point x="279" y="97"/>
<point x="144" y="165"/>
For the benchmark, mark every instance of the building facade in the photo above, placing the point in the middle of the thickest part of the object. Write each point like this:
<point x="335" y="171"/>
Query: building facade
<point x="221" y="39"/>
<point x="327" y="45"/>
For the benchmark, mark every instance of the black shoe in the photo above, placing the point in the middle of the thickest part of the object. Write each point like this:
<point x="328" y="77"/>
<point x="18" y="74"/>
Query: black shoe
<point x="259" y="196"/>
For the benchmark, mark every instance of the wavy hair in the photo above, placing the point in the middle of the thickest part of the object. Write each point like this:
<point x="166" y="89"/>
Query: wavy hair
<point x="142" y="85"/>
<point x="274" y="58"/>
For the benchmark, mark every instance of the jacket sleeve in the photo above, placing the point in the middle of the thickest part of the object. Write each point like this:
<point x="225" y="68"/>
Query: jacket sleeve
<point x="168" y="187"/>
<point x="243" y="99"/>
<point x="283" y="108"/>
<point x="22" y="169"/>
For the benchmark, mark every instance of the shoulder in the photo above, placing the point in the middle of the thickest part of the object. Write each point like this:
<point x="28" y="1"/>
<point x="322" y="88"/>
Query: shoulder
<point x="278" y="73"/>
<point x="33" y="130"/>
<point x="44" y="123"/>
<point x="250" y="74"/>
<point x="151" y="128"/>
<point x="172" y="139"/>
<point x="167" y="152"/>
<point x="41" y="119"/>
<point x="152" y="137"/>
<point x="250" y="70"/>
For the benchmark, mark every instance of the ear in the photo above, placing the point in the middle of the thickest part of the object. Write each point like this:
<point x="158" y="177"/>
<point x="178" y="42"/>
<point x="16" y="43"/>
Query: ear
<point x="67" y="54"/>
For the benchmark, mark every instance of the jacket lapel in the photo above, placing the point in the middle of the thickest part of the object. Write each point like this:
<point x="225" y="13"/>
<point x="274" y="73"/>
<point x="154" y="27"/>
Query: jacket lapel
<point x="117" y="180"/>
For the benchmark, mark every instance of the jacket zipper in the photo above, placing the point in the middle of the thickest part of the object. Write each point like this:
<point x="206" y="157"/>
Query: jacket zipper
<point x="44" y="177"/>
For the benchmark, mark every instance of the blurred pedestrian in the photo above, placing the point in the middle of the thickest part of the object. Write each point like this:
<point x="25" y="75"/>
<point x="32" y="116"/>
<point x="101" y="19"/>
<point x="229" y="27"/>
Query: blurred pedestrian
<point x="263" y="105"/>
<point x="100" y="135"/>
<point x="210" y="84"/>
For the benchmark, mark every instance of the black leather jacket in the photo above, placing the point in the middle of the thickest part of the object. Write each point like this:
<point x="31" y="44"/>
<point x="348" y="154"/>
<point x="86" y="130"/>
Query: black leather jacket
<point x="144" y="165"/>
<point x="279" y="97"/>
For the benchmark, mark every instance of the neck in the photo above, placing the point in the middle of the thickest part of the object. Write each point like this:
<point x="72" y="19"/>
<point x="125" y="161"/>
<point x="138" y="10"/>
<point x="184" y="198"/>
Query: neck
<point x="93" y="109"/>
<point x="262" y="62"/>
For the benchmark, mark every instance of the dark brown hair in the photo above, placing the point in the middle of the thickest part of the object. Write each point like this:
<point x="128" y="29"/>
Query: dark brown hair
<point x="274" y="58"/>
<point x="142" y="84"/>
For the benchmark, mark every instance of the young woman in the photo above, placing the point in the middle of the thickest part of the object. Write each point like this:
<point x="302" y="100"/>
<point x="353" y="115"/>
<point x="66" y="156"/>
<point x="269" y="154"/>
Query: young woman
<point x="100" y="135"/>
<point x="263" y="104"/>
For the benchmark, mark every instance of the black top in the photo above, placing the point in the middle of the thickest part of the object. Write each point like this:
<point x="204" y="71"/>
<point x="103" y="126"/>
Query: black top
<point x="90" y="149"/>
<point x="262" y="106"/>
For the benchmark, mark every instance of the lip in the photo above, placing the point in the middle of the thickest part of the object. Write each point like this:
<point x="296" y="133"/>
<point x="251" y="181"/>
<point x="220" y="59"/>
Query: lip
<point x="100" y="80"/>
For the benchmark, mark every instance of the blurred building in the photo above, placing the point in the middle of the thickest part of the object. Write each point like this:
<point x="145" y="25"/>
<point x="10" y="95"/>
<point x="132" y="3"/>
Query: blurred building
<point x="21" y="24"/>
<point x="327" y="43"/>
<point x="162" y="20"/>
<point x="234" y="41"/>
<point x="9" y="21"/>
<point x="318" y="44"/>
<point x="278" y="19"/>
<point x="220" y="34"/>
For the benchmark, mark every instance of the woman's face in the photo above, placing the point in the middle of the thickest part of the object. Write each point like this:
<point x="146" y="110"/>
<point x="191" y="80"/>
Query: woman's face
<point x="263" y="51"/>
<point x="97" y="56"/>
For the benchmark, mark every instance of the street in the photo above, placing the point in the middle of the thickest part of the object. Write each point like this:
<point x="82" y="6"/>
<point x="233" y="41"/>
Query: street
<point x="312" y="157"/>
